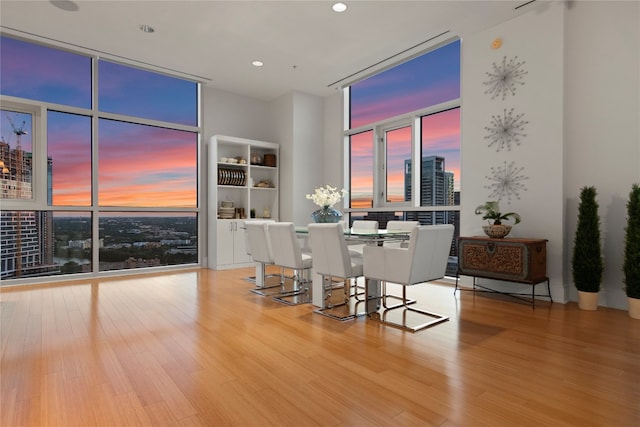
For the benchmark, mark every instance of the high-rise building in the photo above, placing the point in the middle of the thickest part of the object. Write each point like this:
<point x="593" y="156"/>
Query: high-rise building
<point x="26" y="237"/>
<point x="436" y="189"/>
<point x="15" y="170"/>
<point x="26" y="244"/>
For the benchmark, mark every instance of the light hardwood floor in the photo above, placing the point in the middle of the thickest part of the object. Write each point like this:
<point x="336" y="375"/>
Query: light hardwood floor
<point x="197" y="348"/>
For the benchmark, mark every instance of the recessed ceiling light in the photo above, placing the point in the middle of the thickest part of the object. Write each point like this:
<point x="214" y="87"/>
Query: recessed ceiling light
<point x="146" y="28"/>
<point x="339" y="7"/>
<point x="257" y="63"/>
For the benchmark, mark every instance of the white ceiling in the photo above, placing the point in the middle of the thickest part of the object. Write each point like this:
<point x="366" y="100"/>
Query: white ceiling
<point x="304" y="45"/>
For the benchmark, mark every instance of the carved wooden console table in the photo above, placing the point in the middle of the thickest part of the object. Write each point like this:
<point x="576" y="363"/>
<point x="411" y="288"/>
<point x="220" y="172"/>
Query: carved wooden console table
<point x="510" y="260"/>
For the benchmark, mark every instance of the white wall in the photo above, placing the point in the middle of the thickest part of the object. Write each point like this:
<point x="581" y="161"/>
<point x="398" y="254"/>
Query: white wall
<point x="226" y="113"/>
<point x="537" y="39"/>
<point x="602" y="119"/>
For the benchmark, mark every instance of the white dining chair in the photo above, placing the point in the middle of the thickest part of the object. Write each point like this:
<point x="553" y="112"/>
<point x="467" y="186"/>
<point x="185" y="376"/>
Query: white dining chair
<point x="259" y="248"/>
<point x="339" y="268"/>
<point x="395" y="225"/>
<point x="424" y="260"/>
<point x="288" y="254"/>
<point x="362" y="226"/>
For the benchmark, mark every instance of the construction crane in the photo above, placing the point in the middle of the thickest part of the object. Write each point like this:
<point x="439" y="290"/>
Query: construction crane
<point x="18" y="132"/>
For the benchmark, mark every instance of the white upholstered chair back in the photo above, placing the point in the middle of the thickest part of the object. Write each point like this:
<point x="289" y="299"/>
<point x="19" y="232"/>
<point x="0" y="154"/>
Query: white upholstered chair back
<point x="285" y="246"/>
<point x="429" y="252"/>
<point x="258" y="241"/>
<point x="395" y="225"/>
<point x="424" y="260"/>
<point x="330" y="253"/>
<point x="333" y="260"/>
<point x="364" y="225"/>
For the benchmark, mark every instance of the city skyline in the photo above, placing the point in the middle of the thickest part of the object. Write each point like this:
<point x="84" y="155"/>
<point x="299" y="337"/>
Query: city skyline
<point x="440" y="137"/>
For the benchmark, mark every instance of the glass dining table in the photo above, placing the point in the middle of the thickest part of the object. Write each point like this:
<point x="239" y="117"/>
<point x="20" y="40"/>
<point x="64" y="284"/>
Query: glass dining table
<point x="358" y="236"/>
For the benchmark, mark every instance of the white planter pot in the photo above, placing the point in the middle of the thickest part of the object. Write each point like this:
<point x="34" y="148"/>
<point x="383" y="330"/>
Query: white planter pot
<point x="634" y="307"/>
<point x="588" y="300"/>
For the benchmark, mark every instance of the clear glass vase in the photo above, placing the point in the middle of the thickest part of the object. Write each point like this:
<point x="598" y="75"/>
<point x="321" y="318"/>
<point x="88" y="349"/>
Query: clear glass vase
<point x="326" y="214"/>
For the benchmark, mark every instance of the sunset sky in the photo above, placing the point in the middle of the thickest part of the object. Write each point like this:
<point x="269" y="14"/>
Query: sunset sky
<point x="150" y="166"/>
<point x="141" y="166"/>
<point x="424" y="81"/>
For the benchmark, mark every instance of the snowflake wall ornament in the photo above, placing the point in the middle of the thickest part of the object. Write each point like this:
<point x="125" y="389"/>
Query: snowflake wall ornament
<point x="506" y="130"/>
<point x="505" y="78"/>
<point x="506" y="182"/>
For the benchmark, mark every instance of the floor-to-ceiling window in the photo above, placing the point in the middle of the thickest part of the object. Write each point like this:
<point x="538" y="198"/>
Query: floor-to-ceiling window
<point x="405" y="116"/>
<point x="99" y="164"/>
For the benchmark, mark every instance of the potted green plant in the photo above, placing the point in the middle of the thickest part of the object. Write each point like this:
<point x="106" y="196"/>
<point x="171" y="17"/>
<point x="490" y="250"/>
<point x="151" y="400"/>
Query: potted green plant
<point x="631" y="264"/>
<point x="586" y="261"/>
<point x="491" y="211"/>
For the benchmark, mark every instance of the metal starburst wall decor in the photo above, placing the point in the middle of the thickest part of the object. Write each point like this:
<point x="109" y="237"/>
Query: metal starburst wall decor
<point x="506" y="130"/>
<point x="506" y="182"/>
<point x="505" y="78"/>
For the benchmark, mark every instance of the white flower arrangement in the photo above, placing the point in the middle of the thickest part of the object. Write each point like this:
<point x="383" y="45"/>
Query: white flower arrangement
<point x="327" y="196"/>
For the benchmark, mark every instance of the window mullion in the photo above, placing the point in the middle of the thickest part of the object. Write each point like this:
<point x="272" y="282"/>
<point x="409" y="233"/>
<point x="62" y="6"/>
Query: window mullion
<point x="95" y="228"/>
<point x="416" y="194"/>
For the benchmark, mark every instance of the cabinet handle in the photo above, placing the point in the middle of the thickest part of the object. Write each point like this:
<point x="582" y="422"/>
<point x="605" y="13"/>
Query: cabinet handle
<point x="231" y="226"/>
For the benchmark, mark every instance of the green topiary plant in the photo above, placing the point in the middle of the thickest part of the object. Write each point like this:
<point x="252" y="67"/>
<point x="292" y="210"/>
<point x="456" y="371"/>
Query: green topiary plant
<point x="586" y="262"/>
<point x="631" y="266"/>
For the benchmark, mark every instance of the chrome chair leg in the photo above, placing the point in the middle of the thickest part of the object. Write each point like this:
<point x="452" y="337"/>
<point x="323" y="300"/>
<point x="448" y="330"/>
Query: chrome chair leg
<point x="301" y="290"/>
<point x="384" y="296"/>
<point x="437" y="318"/>
<point x="270" y="287"/>
<point x="346" y="309"/>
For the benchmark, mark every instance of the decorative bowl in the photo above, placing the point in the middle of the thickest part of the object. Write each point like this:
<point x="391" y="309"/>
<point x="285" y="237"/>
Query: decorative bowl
<point x="496" y="231"/>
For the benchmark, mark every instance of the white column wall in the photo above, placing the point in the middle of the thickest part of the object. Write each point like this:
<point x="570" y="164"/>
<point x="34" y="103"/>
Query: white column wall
<point x="282" y="120"/>
<point x="602" y="125"/>
<point x="333" y="172"/>
<point x="308" y="155"/>
<point x="537" y="39"/>
<point x="299" y="121"/>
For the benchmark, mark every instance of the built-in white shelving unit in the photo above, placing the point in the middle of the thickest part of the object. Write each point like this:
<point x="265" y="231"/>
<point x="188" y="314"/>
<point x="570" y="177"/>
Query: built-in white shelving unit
<point x="243" y="174"/>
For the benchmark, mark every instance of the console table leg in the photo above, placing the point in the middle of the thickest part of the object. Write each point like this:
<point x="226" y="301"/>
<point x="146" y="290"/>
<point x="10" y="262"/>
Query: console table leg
<point x="533" y="296"/>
